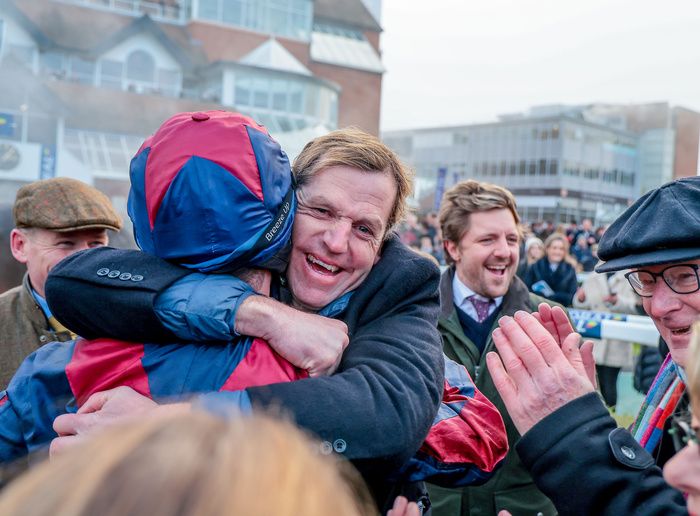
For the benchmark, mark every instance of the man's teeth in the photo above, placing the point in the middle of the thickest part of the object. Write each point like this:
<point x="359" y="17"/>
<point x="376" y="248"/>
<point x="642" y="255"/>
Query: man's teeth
<point x="316" y="261"/>
<point x="681" y="331"/>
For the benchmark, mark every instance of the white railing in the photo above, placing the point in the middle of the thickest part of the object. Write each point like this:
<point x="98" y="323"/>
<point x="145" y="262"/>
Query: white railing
<point x="161" y="11"/>
<point x="603" y="325"/>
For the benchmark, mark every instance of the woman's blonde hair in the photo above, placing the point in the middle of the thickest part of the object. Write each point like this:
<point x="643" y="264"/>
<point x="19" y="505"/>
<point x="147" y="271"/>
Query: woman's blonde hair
<point x="192" y="464"/>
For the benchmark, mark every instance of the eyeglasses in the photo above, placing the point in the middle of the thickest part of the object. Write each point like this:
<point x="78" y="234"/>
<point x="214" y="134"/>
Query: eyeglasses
<point x="682" y="433"/>
<point x="682" y="279"/>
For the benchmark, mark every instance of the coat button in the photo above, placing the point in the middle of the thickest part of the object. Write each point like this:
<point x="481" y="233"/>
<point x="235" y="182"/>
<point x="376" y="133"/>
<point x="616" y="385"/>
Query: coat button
<point x="326" y="448"/>
<point x="125" y="276"/>
<point x="43" y="338"/>
<point x="136" y="277"/>
<point x="339" y="445"/>
<point x="113" y="274"/>
<point x="628" y="452"/>
<point x="103" y="271"/>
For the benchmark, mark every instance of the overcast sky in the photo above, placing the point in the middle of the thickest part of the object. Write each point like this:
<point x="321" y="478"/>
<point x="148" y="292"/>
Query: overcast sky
<point x="453" y="62"/>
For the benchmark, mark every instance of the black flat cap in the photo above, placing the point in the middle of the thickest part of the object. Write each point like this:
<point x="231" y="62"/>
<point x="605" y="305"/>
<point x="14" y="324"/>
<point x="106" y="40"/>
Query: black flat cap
<point x="662" y="226"/>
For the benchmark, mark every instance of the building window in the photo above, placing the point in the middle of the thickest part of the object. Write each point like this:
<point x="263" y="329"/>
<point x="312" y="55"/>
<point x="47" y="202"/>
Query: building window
<point x="140" y="67"/>
<point x="53" y="63"/>
<point x="169" y="82"/>
<point x="23" y="53"/>
<point x="285" y="104"/>
<point x="553" y="167"/>
<point x="291" y="18"/>
<point x="82" y="70"/>
<point x="111" y="74"/>
<point x="2" y="34"/>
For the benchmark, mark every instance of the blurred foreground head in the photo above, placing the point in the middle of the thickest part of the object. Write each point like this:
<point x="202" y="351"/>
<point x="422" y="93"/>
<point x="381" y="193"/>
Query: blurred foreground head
<point x="192" y="464"/>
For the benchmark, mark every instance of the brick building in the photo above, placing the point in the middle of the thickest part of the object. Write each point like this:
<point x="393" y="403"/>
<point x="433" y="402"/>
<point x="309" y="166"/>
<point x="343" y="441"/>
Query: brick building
<point x="83" y="82"/>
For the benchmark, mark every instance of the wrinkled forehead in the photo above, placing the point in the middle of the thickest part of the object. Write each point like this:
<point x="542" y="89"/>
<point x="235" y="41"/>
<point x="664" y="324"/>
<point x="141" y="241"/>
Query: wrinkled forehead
<point x="376" y="187"/>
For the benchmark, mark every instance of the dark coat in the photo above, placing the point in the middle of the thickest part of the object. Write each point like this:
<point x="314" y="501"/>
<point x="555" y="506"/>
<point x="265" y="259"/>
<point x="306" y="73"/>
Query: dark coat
<point x="23" y="329"/>
<point x="379" y="405"/>
<point x="587" y="465"/>
<point x="512" y="486"/>
<point x="562" y="280"/>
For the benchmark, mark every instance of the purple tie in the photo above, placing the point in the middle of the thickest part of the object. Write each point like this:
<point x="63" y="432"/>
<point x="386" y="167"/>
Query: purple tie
<point x="481" y="307"/>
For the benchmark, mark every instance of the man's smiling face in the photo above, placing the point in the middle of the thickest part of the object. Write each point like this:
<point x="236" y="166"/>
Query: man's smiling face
<point x="340" y="224"/>
<point x="486" y="257"/>
<point x="673" y="314"/>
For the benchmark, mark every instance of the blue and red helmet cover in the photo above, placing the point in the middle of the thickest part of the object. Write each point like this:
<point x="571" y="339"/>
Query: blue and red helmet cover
<point x="212" y="191"/>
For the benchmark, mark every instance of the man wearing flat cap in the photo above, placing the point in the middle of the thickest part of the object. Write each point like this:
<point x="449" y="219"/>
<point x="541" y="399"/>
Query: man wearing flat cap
<point x="54" y="218"/>
<point x="573" y="448"/>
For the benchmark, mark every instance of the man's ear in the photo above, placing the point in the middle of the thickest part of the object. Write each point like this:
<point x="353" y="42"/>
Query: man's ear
<point x="18" y="245"/>
<point x="452" y="250"/>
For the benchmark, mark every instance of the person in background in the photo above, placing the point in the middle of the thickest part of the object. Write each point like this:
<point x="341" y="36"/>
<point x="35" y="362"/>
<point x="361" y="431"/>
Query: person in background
<point x="608" y="292"/>
<point x="583" y="253"/>
<point x="532" y="251"/>
<point x="192" y="464"/>
<point x="586" y="232"/>
<point x="552" y="276"/>
<point x="53" y="219"/>
<point x="480" y="225"/>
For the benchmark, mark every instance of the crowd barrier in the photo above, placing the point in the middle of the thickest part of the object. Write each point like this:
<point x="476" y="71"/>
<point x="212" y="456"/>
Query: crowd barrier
<point x="605" y="325"/>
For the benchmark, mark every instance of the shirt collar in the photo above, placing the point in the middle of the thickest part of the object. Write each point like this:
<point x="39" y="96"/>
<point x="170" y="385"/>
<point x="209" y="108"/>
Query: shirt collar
<point x="461" y="292"/>
<point x="42" y="303"/>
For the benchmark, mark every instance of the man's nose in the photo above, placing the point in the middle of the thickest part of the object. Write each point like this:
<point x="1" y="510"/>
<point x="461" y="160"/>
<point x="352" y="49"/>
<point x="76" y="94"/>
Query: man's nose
<point x="337" y="235"/>
<point x="501" y="249"/>
<point x="663" y="300"/>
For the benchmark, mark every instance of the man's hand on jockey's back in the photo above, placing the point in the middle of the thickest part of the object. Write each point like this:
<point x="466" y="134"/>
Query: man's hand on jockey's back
<point x="309" y="341"/>
<point x="104" y="409"/>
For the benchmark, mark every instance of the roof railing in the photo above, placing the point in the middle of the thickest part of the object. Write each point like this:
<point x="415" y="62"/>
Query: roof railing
<point x="171" y="11"/>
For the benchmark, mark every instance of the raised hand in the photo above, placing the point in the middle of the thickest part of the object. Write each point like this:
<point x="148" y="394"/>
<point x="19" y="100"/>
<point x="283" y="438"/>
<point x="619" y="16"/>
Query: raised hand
<point x="535" y="375"/>
<point x="557" y="323"/>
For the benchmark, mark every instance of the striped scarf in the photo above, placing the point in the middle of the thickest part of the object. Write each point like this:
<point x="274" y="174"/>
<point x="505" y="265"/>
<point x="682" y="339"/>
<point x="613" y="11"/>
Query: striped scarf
<point x="659" y="404"/>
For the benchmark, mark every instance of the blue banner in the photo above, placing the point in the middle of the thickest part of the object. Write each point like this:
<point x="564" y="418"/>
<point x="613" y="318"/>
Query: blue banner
<point x="439" y="187"/>
<point x="7" y="124"/>
<point x="47" y="168"/>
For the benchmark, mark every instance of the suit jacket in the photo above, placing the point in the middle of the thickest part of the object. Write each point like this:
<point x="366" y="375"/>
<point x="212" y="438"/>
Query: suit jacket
<point x="23" y="329"/>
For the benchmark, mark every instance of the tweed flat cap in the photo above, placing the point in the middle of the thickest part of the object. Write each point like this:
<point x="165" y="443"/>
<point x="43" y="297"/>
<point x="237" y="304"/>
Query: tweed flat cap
<point x="662" y="226"/>
<point x="63" y="204"/>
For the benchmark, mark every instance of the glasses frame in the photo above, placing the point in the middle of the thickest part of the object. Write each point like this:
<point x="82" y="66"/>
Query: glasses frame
<point x="655" y="275"/>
